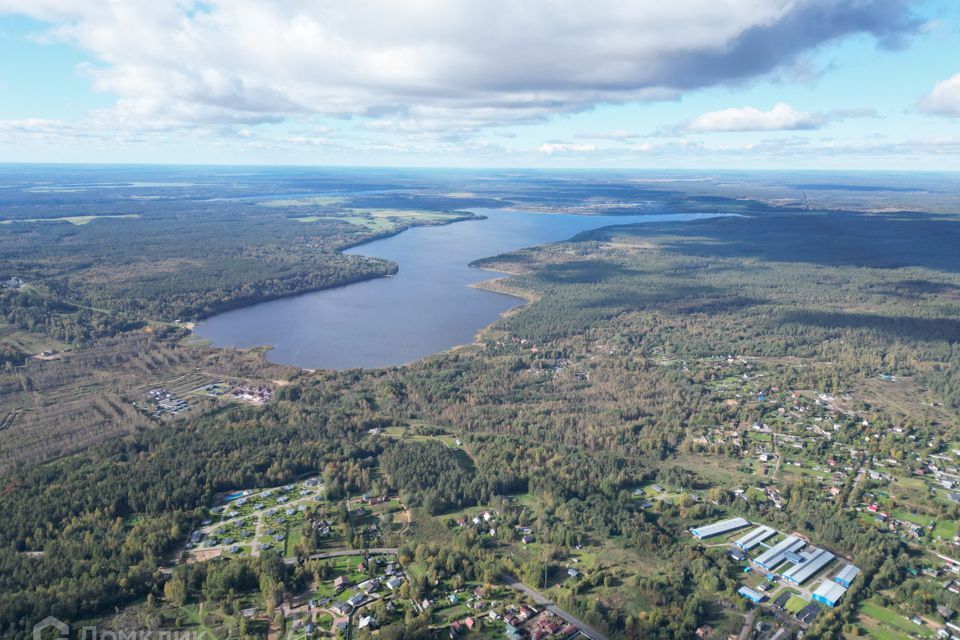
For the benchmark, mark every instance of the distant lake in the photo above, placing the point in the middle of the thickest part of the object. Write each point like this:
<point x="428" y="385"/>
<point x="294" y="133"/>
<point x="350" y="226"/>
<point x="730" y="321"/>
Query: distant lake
<point x="427" y="307"/>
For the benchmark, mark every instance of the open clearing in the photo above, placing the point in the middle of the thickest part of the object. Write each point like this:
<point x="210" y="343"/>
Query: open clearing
<point x="379" y="219"/>
<point x="27" y="342"/>
<point x="75" y="220"/>
<point x="795" y="604"/>
<point x="307" y="201"/>
<point x="886" y="617"/>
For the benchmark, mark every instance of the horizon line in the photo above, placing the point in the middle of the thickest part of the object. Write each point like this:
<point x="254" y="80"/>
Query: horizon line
<point x="464" y="168"/>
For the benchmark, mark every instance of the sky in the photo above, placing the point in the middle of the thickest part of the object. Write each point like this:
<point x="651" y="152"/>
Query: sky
<point x="750" y="84"/>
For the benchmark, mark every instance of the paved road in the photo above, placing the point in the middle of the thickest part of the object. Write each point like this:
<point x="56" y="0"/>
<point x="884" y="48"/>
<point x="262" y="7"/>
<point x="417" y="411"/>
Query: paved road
<point x="376" y="551"/>
<point x="545" y="602"/>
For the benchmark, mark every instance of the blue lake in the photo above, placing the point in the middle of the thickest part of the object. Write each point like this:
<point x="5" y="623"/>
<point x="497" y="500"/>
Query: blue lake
<point x="427" y="307"/>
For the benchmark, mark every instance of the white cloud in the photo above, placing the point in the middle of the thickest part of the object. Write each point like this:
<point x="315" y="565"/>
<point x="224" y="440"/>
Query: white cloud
<point x="944" y="100"/>
<point x="566" y="147"/>
<point x="613" y="134"/>
<point x="434" y="63"/>
<point x="782" y="117"/>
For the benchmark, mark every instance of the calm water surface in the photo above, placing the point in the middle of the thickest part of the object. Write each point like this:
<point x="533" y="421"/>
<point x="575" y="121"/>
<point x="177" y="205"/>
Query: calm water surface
<point x="425" y="308"/>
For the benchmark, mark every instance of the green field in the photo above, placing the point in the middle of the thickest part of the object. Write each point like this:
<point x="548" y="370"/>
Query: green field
<point x="795" y="604"/>
<point x="292" y="539"/>
<point x="882" y="633"/>
<point x="379" y="219"/>
<point x="315" y="201"/>
<point x="946" y="529"/>
<point x="915" y="518"/>
<point x="27" y="342"/>
<point x="791" y="469"/>
<point x="217" y="390"/>
<point x="405" y="434"/>
<point x="873" y="609"/>
<point x="341" y="566"/>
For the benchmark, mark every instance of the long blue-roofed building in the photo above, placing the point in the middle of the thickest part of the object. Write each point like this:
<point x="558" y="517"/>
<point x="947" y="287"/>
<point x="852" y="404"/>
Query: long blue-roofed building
<point x="719" y="528"/>
<point x="752" y="595"/>
<point x="754" y="537"/>
<point x="814" y="560"/>
<point x="774" y="556"/>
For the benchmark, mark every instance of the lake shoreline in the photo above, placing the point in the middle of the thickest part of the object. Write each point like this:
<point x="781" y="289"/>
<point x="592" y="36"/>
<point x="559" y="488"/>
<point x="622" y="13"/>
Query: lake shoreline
<point x="391" y="270"/>
<point x="498" y="285"/>
<point x="431" y="306"/>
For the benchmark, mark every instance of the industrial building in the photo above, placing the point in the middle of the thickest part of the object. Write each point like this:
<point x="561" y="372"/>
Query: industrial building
<point x="794" y="557"/>
<point x="773" y="556"/>
<point x="754" y="596"/>
<point x="737" y="555"/>
<point x="754" y="537"/>
<point x="846" y="575"/>
<point x="829" y="593"/>
<point x="814" y="559"/>
<point x="719" y="528"/>
<point x="808" y="613"/>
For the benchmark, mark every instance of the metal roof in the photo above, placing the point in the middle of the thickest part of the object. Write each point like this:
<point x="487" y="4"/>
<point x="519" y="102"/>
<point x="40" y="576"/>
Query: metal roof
<point x="829" y="592"/>
<point x="737" y="554"/>
<point x="808" y="613"/>
<point x="800" y="573"/>
<point x="754" y="537"/>
<point x="754" y="595"/>
<point x="723" y="526"/>
<point x="847" y="574"/>
<point x="774" y="555"/>
<point x="794" y="557"/>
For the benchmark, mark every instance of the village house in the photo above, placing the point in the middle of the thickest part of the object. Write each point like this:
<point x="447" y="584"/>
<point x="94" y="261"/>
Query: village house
<point x="394" y="583"/>
<point x="356" y="600"/>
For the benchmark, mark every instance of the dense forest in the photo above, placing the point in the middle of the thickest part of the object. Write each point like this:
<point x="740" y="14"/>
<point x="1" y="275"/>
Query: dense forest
<point x="188" y="258"/>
